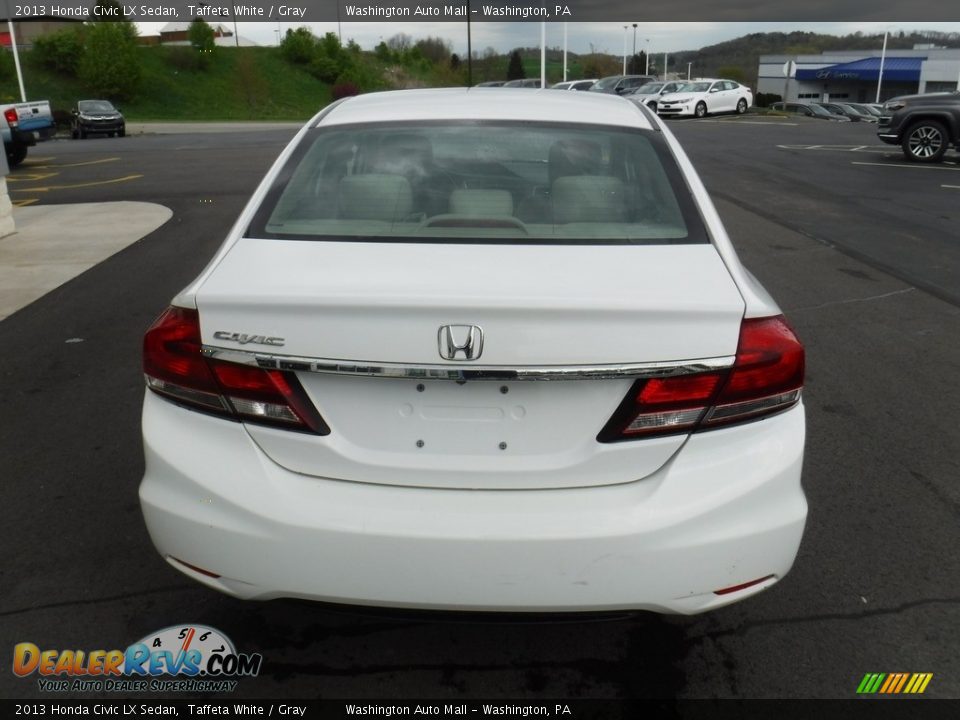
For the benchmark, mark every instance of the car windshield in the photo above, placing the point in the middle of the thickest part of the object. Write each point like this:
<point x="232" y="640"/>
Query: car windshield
<point x="820" y="110"/>
<point x="649" y="89"/>
<point x="694" y="87"/>
<point x="481" y="182"/>
<point x="607" y="83"/>
<point x="95" y="106"/>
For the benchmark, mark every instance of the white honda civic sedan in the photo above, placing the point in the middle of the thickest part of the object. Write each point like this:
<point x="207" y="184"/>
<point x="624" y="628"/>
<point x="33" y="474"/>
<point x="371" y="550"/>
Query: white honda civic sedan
<point x="477" y="350"/>
<point x="706" y="97"/>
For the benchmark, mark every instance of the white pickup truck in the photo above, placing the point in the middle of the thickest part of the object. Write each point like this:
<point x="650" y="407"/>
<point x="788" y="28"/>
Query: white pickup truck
<point x="22" y="125"/>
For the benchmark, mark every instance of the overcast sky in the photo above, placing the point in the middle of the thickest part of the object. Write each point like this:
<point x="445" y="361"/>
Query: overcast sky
<point x="603" y="37"/>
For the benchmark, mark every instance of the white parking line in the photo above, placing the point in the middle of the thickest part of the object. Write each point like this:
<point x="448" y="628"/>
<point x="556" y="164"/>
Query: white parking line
<point x="904" y="165"/>
<point x="952" y="187"/>
<point x="753" y="122"/>
<point x="840" y="148"/>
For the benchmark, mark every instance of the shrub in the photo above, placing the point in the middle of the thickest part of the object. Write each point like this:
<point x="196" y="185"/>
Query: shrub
<point x="110" y="66"/>
<point x="60" y="51"/>
<point x="186" y="58"/>
<point x="298" y="46"/>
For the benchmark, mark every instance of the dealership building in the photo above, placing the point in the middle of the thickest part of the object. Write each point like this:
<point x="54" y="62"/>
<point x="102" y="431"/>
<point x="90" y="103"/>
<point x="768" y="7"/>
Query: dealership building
<point x="852" y="75"/>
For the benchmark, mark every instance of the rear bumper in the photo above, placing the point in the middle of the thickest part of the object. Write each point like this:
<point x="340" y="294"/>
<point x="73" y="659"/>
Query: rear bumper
<point x="727" y="509"/>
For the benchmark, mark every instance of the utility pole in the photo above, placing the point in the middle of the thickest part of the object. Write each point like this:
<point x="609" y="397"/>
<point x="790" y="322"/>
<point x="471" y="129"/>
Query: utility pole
<point x="647" y="55"/>
<point x="564" y="51"/>
<point x="634" y="56"/>
<point x="689" y="64"/>
<point x="664" y="67"/>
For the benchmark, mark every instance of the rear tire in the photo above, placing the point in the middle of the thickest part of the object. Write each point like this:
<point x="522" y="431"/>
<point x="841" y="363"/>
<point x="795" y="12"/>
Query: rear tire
<point x="700" y="110"/>
<point x="82" y="133"/>
<point x="741" y="106"/>
<point x="122" y="132"/>
<point x="16" y="154"/>
<point x="925" y="142"/>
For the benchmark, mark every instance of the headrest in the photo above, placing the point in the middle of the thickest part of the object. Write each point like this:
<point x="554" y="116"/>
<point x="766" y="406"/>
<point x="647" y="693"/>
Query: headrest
<point x="375" y="196"/>
<point x="589" y="198"/>
<point x="483" y="203"/>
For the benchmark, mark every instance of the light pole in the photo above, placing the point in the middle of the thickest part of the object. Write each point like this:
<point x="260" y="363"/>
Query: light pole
<point x="647" y="54"/>
<point x="689" y="64"/>
<point x="625" y="49"/>
<point x="633" y="58"/>
<point x="883" y="57"/>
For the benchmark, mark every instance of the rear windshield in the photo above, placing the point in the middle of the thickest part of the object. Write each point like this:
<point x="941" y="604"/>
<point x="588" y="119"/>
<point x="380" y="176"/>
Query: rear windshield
<point x="481" y="182"/>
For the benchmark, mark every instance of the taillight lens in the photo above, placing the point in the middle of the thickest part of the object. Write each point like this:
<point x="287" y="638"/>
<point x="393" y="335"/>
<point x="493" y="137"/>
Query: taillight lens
<point x="174" y="366"/>
<point x="766" y="377"/>
<point x="10" y="115"/>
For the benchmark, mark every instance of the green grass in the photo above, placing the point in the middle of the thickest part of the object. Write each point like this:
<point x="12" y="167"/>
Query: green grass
<point x="239" y="84"/>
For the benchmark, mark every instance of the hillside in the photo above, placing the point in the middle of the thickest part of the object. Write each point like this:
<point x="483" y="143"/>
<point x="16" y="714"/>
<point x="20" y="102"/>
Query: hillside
<point x="251" y="83"/>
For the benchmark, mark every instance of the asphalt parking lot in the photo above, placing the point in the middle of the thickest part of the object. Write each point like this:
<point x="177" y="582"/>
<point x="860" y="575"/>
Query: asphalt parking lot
<point x="861" y="251"/>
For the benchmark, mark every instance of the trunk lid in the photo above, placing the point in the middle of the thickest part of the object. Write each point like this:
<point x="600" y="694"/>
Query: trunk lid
<point x="537" y="305"/>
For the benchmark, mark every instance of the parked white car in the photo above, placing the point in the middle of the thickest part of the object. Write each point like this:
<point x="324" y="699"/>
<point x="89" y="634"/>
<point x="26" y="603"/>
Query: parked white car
<point x="700" y="98"/>
<point x="458" y="354"/>
<point x="650" y="93"/>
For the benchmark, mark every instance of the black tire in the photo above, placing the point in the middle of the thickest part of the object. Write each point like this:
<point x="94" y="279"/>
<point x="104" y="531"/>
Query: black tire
<point x="112" y="134"/>
<point x="83" y="133"/>
<point x="741" y="106"/>
<point x="16" y="154"/>
<point x="74" y="133"/>
<point x="925" y="142"/>
<point x="701" y="109"/>
<point x="122" y="131"/>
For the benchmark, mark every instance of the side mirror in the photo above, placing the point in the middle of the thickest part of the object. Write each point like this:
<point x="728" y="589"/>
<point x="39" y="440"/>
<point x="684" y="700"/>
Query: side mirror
<point x="713" y="89"/>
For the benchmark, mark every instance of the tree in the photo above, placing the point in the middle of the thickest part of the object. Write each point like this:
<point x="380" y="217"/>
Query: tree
<point x="110" y="66"/>
<point x="515" y="69"/>
<point x="201" y="36"/>
<point x="298" y="46"/>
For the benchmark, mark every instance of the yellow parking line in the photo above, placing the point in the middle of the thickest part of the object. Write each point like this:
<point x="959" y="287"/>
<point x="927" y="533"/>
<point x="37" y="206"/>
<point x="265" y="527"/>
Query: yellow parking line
<point x="78" y="185"/>
<point x="34" y="160"/>
<point x="28" y="201"/>
<point x="79" y="164"/>
<point x="31" y="177"/>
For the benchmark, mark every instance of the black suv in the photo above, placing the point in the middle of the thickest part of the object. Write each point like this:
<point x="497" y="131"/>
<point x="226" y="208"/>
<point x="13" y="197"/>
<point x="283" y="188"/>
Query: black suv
<point x="924" y="126"/>
<point x="97" y="116"/>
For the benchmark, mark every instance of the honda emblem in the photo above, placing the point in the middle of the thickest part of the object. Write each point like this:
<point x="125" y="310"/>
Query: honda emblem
<point x="460" y="342"/>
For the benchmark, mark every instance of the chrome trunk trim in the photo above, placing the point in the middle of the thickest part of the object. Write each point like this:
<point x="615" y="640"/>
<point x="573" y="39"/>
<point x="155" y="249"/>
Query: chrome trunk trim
<point x="460" y="373"/>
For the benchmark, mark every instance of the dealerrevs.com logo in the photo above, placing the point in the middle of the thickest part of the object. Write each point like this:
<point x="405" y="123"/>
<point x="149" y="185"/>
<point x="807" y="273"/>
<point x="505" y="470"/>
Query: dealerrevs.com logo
<point x="198" y="658"/>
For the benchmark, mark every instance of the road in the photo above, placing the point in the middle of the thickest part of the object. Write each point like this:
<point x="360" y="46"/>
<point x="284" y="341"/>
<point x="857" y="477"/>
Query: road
<point x="862" y="257"/>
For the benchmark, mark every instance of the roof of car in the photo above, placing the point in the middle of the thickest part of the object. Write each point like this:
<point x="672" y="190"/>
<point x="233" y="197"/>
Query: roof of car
<point x="486" y="104"/>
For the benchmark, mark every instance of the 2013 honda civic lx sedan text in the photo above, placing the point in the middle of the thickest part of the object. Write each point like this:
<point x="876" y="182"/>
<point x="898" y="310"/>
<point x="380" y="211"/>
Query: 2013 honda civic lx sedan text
<point x="476" y="350"/>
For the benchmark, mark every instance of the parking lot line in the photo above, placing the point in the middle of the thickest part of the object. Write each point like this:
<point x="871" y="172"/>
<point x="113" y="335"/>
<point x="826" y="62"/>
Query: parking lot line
<point x="905" y="165"/>
<point x="24" y="202"/>
<point x="952" y="187"/>
<point x="78" y="185"/>
<point x="77" y="164"/>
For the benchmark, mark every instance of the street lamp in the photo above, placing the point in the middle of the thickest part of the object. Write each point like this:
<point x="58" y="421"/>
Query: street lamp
<point x="625" y="49"/>
<point x="634" y="42"/>
<point x="647" y="40"/>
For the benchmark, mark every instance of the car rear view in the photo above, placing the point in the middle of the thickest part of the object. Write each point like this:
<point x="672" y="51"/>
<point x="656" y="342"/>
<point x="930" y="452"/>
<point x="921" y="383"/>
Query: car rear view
<point x="456" y="354"/>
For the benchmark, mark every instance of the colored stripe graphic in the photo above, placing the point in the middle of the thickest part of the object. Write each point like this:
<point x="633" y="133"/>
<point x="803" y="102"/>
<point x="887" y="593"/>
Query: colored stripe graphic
<point x="894" y="683"/>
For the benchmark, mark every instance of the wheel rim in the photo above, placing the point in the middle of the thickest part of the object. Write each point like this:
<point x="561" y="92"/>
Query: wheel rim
<point x="742" y="106"/>
<point x="925" y="142"/>
<point x="701" y="110"/>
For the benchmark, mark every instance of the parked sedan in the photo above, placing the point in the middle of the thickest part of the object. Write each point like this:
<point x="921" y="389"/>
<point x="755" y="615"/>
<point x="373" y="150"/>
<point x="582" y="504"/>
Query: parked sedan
<point x="527" y="83"/>
<point x="848" y="111"/>
<point x="703" y="97"/>
<point x="457" y="354"/>
<point x="650" y="93"/>
<point x="574" y="85"/>
<point x="809" y="110"/>
<point x="620" y="84"/>
<point x="97" y="116"/>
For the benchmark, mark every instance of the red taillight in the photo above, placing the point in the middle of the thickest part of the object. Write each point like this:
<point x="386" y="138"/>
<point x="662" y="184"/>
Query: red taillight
<point x="766" y="377"/>
<point x="174" y="366"/>
<point x="10" y="115"/>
